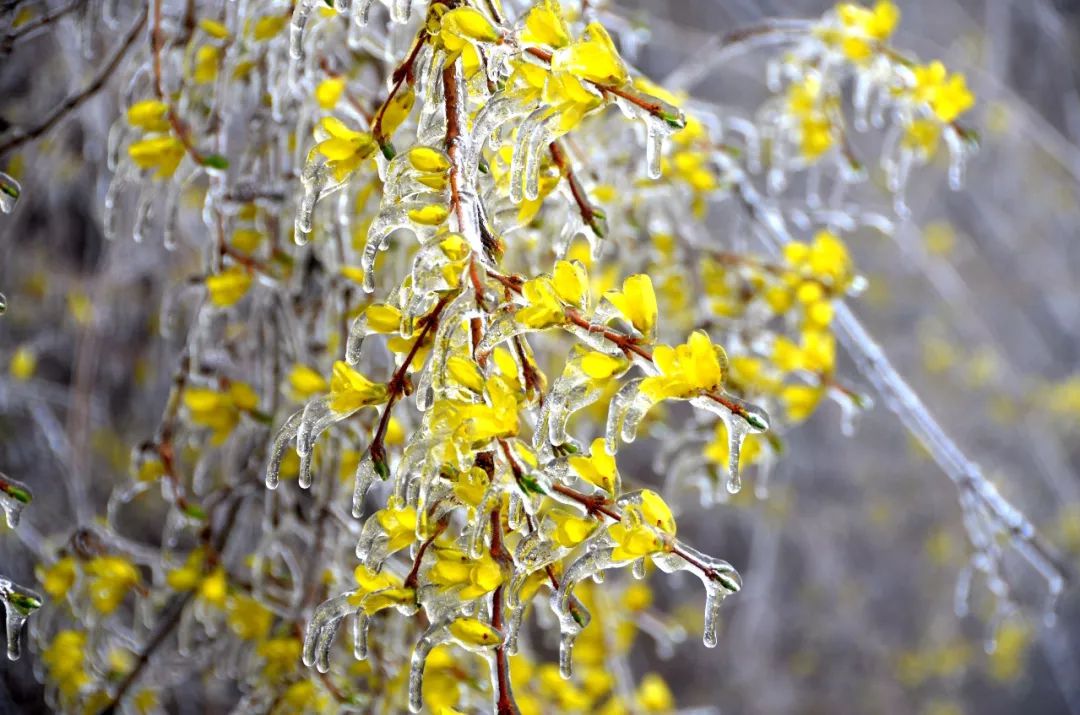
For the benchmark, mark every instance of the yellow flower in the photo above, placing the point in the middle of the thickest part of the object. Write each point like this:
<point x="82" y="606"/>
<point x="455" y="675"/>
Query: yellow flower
<point x="349" y="390"/>
<point x="207" y="59"/>
<point x="387" y="598"/>
<point x="58" y="578"/>
<point x="111" y="577"/>
<point x="269" y="26"/>
<point x="282" y="656"/>
<point x="343" y="148"/>
<point x="654" y="695"/>
<point x="249" y="619"/>
<point x="687" y="370"/>
<point x="474" y="632"/>
<point x="800" y="401"/>
<point x="214" y="588"/>
<point x="466" y="372"/>
<point x="383" y="318"/>
<point x="866" y="26"/>
<point x="807" y="104"/>
<point x="544" y="25"/>
<point x="428" y="160"/>
<point x="431" y="215"/>
<point x="647" y="528"/>
<point x="571" y="282"/>
<point x="570" y="528"/>
<point x="306" y="382"/>
<point x="598" y="468"/>
<point x="637" y="302"/>
<point x="368" y="581"/>
<point x="463" y="25"/>
<point x="922" y="135"/>
<point x="544" y="309"/>
<point x="161" y="152"/>
<point x="453" y="569"/>
<point x="23" y="364"/>
<point x="329" y="91"/>
<point x="64" y="659"/>
<point x="947" y="95"/>
<point x="228" y="287"/>
<point x="399" y="525"/>
<point x="593" y="58"/>
<point x="150" y="115"/>
<point x="600" y="366"/>
<point x="214" y="28"/>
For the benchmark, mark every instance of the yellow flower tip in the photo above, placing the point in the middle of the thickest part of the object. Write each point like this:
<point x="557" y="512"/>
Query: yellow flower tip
<point x="228" y="287"/>
<point x="475" y="633"/>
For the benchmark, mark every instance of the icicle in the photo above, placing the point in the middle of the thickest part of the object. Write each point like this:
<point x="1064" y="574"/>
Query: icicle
<point x="277" y="449"/>
<point x="574" y="618"/>
<point x="525" y="145"/>
<point x="656" y="131"/>
<point x="19" y="603"/>
<point x="366" y="475"/>
<point x="14" y="496"/>
<point x="959" y="149"/>
<point x="360" y="631"/>
<point x="319" y="637"/>
<point x="10" y="190"/>
<point x="301" y="15"/>
<point x="400" y="11"/>
<point x="317" y="416"/>
<point x="718" y="576"/>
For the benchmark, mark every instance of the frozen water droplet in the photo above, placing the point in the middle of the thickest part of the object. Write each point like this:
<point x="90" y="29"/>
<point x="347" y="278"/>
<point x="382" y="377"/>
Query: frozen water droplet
<point x="3" y="303"/>
<point x="9" y="193"/>
<point x="14" y="496"/>
<point x="19" y="603"/>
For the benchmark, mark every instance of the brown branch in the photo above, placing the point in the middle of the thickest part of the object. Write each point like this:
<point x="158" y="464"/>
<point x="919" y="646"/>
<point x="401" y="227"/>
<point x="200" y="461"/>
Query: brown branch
<point x="20" y="33"/>
<point x="398" y="384"/>
<point x="74" y="101"/>
<point x="589" y="213"/>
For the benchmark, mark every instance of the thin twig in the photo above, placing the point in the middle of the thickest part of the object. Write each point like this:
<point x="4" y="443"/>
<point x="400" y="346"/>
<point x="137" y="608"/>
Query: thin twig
<point x="74" y="101"/>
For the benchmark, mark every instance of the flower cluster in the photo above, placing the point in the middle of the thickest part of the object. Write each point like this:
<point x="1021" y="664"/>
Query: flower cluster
<point x="429" y="318"/>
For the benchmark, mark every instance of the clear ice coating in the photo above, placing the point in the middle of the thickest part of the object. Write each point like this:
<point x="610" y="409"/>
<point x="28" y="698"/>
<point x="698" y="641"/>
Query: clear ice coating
<point x="10" y="191"/>
<point x="14" y="496"/>
<point x="19" y="603"/>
